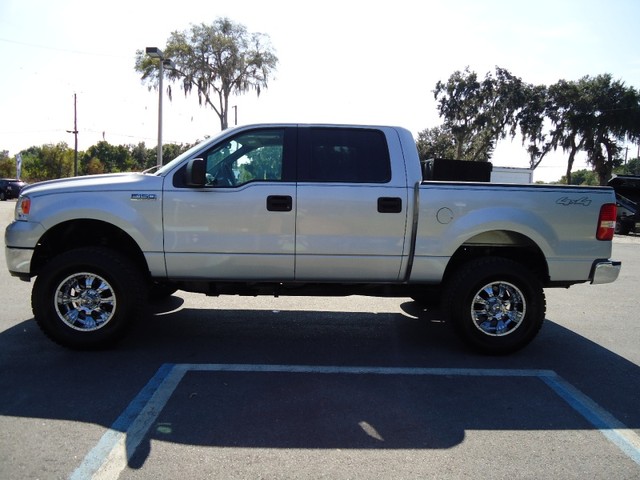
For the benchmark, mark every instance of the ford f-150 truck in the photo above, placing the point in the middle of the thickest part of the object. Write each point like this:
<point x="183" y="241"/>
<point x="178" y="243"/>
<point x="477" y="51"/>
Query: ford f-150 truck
<point x="287" y="209"/>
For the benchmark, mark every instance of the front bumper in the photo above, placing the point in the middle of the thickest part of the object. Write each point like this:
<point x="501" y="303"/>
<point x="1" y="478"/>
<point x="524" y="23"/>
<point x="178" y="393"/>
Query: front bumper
<point x="605" y="271"/>
<point x="21" y="239"/>
<point x="19" y="261"/>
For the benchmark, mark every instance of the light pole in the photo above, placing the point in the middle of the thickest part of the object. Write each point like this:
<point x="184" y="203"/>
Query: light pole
<point x="155" y="52"/>
<point x="75" y="133"/>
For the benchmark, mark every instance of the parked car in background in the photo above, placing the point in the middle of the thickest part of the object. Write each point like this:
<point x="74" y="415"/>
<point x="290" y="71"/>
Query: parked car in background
<point x="10" y="188"/>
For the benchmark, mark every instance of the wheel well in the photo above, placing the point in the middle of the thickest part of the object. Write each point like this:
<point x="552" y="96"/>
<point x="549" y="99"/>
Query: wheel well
<point x="511" y="245"/>
<point x="83" y="233"/>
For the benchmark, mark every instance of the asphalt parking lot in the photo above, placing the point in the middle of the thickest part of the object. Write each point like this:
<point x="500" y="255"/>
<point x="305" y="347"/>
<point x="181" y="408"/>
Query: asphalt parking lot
<point x="355" y="387"/>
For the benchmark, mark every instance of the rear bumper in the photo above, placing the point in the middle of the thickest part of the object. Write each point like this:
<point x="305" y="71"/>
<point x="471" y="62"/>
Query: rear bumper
<point x="605" y="271"/>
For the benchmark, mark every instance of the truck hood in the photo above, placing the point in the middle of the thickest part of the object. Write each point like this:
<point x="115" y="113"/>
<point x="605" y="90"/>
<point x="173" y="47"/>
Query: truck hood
<point x="104" y="183"/>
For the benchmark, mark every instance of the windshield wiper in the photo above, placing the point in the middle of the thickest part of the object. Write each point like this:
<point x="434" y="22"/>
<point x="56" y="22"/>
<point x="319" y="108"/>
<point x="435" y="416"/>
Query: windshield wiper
<point x="149" y="170"/>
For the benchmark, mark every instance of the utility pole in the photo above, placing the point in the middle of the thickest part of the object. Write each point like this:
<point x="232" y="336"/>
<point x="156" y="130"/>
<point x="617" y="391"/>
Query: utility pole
<point x="75" y="133"/>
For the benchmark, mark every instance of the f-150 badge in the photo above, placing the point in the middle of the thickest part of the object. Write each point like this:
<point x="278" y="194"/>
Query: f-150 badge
<point x="144" y="196"/>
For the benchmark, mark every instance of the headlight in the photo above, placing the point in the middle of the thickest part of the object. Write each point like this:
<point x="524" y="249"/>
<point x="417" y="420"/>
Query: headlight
<point x="23" y="207"/>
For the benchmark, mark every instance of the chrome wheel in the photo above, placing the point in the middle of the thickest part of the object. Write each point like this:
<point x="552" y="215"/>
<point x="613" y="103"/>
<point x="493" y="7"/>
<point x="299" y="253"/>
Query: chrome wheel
<point x="498" y="308"/>
<point x="496" y="305"/>
<point x="87" y="298"/>
<point x="85" y="301"/>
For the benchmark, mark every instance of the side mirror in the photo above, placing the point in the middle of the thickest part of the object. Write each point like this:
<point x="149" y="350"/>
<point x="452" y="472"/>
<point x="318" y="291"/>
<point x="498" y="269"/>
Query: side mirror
<point x="195" y="173"/>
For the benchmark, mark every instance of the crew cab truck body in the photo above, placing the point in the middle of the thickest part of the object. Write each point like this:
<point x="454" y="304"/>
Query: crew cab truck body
<point x="286" y="209"/>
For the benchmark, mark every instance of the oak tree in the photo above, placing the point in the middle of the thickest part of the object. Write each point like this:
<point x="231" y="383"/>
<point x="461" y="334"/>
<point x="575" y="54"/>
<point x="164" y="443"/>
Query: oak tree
<point x="477" y="112"/>
<point x="214" y="61"/>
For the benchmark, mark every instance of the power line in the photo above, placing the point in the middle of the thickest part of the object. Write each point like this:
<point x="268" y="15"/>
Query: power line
<point x="66" y="50"/>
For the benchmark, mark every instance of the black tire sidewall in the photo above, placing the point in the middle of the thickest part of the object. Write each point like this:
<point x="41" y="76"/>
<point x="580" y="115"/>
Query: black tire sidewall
<point x="468" y="281"/>
<point x="115" y="269"/>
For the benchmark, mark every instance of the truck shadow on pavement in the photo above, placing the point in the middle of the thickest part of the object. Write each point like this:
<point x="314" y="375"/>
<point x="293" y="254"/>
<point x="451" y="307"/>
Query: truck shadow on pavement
<point x="329" y="409"/>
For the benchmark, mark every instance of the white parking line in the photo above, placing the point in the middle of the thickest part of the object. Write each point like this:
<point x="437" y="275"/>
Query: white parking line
<point x="117" y="446"/>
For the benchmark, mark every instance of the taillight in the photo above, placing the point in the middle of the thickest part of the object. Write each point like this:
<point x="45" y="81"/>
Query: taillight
<point x="607" y="221"/>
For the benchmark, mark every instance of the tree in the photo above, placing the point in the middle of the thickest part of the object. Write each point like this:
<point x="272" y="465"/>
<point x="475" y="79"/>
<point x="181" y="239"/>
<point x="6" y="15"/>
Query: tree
<point x="7" y="165"/>
<point x="581" y="177"/>
<point x="142" y="156"/>
<point x="47" y="162"/>
<point x="436" y="142"/>
<point x="594" y="115"/>
<point x="93" y="167"/>
<point x="114" y="158"/>
<point x="215" y="61"/>
<point x="172" y="150"/>
<point x="614" y="116"/>
<point x="533" y="125"/>
<point x="568" y="111"/>
<point x="632" y="167"/>
<point x="478" y="113"/>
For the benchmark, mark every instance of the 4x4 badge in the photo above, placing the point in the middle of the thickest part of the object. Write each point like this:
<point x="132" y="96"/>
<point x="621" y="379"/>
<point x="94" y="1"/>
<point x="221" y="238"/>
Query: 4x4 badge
<point x="584" y="201"/>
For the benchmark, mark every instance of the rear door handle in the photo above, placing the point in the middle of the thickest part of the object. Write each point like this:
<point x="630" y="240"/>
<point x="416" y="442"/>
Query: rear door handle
<point x="279" y="203"/>
<point x="389" y="205"/>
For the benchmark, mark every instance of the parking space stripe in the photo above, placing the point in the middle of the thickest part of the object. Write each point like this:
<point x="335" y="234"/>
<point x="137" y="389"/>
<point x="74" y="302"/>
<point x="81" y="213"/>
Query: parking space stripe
<point x="617" y="433"/>
<point x="473" y="372"/>
<point x="109" y="457"/>
<point x="118" y="445"/>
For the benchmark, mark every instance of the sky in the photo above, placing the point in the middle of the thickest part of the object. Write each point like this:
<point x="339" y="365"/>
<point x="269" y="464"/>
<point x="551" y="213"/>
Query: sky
<point x="348" y="61"/>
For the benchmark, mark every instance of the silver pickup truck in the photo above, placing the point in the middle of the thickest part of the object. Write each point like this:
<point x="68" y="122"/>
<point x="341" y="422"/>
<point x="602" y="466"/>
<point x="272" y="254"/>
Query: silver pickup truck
<point x="285" y="209"/>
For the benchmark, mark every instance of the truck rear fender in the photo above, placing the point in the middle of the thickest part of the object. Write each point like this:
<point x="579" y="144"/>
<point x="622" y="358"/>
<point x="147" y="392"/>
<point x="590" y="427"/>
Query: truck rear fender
<point x="505" y="244"/>
<point x="502" y="226"/>
<point x="510" y="232"/>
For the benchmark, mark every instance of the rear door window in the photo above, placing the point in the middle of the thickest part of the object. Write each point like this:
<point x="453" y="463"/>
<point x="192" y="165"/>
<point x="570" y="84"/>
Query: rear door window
<point x="344" y="155"/>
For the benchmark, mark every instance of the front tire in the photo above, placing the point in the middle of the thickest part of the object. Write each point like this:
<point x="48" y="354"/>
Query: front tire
<point x="496" y="305"/>
<point x="88" y="297"/>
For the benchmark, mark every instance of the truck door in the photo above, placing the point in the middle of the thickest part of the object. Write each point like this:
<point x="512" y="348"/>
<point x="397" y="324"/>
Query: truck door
<point x="241" y="224"/>
<point x="351" y="206"/>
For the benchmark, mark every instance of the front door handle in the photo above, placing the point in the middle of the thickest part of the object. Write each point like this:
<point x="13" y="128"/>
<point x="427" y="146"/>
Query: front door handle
<point x="389" y="205"/>
<point x="279" y="203"/>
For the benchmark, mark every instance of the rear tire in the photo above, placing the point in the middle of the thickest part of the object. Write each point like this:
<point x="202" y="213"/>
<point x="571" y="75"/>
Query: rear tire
<point x="88" y="297"/>
<point x="496" y="305"/>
